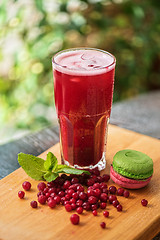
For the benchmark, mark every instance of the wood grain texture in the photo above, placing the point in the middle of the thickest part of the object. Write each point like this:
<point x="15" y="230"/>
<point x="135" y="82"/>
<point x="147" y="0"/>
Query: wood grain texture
<point x="19" y="221"/>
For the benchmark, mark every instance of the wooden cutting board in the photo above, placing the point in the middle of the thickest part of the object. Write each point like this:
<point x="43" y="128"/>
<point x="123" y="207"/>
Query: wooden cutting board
<point x="19" y="221"/>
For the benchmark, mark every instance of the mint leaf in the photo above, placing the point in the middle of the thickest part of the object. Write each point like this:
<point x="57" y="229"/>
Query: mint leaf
<point x="32" y="165"/>
<point x="51" y="162"/>
<point x="50" y="176"/>
<point x="70" y="170"/>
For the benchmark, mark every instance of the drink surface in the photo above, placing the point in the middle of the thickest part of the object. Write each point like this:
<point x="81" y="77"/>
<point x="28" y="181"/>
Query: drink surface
<point x="83" y="88"/>
<point x="84" y="62"/>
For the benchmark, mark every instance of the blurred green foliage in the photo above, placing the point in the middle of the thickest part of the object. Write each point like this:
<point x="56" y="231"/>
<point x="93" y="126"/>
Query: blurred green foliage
<point x="33" y="31"/>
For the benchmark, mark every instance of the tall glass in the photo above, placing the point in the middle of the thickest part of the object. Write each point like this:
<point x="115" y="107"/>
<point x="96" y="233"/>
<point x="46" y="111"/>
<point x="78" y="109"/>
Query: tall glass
<point x="83" y="91"/>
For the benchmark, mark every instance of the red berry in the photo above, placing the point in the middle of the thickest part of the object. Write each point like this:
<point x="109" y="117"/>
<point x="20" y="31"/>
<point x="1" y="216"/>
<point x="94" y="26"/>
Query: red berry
<point x="112" y="198"/>
<point x="102" y="224"/>
<point x="26" y="185"/>
<point x="94" y="212"/>
<point x="90" y="192"/>
<point x="144" y="202"/>
<point x="106" y="177"/>
<point x="90" y="182"/>
<point x="92" y="200"/>
<point x="41" y="186"/>
<point x="120" y="191"/>
<point x="119" y="207"/>
<point x="83" y="196"/>
<point x="80" y="188"/>
<point x="103" y="205"/>
<point x="97" y="192"/>
<point x="42" y="199"/>
<point x="79" y="203"/>
<point x="106" y="214"/>
<point x="73" y="206"/>
<point x="75" y="195"/>
<point x="96" y="185"/>
<point x="79" y="210"/>
<point x="57" y="199"/>
<point x="45" y="190"/>
<point x="66" y="184"/>
<point x="33" y="204"/>
<point x="112" y="190"/>
<point x="74" y="180"/>
<point x="74" y="219"/>
<point x="94" y="206"/>
<point x="86" y="206"/>
<point x="115" y="203"/>
<point x="52" y="203"/>
<point x="126" y="194"/>
<point x="21" y="194"/>
<point x="68" y="207"/>
<point x="103" y="197"/>
<point x="61" y="193"/>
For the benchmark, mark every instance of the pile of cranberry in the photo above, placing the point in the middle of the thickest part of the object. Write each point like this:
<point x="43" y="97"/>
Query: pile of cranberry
<point x="79" y="192"/>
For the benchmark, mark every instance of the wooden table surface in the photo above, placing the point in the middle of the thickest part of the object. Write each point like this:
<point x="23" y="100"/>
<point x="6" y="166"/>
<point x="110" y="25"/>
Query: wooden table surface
<point x="140" y="114"/>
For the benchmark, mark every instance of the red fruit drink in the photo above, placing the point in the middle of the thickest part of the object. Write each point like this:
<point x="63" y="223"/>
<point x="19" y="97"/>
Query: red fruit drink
<point x="83" y="88"/>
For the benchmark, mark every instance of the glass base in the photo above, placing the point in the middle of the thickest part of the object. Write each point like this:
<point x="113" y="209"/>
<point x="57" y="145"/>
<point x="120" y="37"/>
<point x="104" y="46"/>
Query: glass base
<point x="101" y="164"/>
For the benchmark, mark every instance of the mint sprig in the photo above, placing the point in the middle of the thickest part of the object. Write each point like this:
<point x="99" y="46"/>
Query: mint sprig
<point x="49" y="169"/>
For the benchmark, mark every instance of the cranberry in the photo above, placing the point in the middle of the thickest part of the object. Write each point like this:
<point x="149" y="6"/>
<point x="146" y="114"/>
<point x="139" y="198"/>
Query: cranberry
<point x="80" y="188"/>
<point x="73" y="206"/>
<point x="120" y="191"/>
<point x="106" y="214"/>
<point x="119" y="207"/>
<point x="52" y="203"/>
<point x="47" y="195"/>
<point x="96" y="185"/>
<point x="106" y="177"/>
<point x="61" y="193"/>
<point x="63" y="199"/>
<point x="103" y="205"/>
<point x="144" y="202"/>
<point x="90" y="192"/>
<point x="74" y="180"/>
<point x="90" y="181"/>
<point x="57" y="199"/>
<point x="66" y="184"/>
<point x="74" y="219"/>
<point x="79" y="210"/>
<point x="102" y="224"/>
<point x="41" y="186"/>
<point x="92" y="200"/>
<point x="21" y="194"/>
<point x="26" y="185"/>
<point x="52" y="190"/>
<point x="66" y="202"/>
<point x="42" y="199"/>
<point x="103" y="197"/>
<point x="126" y="194"/>
<point x="40" y="193"/>
<point x="96" y="172"/>
<point x="75" y="195"/>
<point x="45" y="190"/>
<point x="83" y="196"/>
<point x="115" y="203"/>
<point x="86" y="206"/>
<point x="112" y="198"/>
<point x="70" y="191"/>
<point x="79" y="203"/>
<point x="99" y="179"/>
<point x="67" y="196"/>
<point x="74" y="186"/>
<point x="68" y="207"/>
<point x="51" y="184"/>
<point x="103" y="185"/>
<point x="53" y="195"/>
<point x="33" y="204"/>
<point x="105" y="190"/>
<point x="97" y="193"/>
<point x="112" y="190"/>
<point x="72" y="200"/>
<point x="94" y="206"/>
<point x="94" y="212"/>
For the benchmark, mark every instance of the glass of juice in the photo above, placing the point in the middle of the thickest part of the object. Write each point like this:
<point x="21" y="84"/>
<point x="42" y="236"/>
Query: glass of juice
<point x="83" y="91"/>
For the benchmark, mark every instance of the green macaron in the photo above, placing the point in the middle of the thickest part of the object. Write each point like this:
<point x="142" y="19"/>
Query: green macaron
<point x="133" y="164"/>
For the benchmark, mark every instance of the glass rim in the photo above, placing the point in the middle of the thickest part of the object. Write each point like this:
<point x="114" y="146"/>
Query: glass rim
<point x="83" y="48"/>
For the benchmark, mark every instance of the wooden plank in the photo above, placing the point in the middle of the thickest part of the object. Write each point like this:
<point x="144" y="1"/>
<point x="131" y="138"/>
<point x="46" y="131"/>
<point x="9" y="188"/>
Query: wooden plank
<point x="19" y="221"/>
